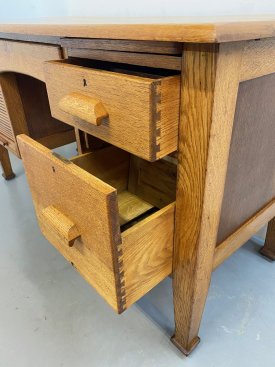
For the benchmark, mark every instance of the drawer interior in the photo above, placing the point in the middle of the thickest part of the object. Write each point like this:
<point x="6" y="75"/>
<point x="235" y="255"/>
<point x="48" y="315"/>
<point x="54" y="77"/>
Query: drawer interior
<point x="128" y="69"/>
<point x="142" y="187"/>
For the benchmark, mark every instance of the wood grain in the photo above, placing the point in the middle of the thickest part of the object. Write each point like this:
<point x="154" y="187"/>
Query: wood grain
<point x="209" y="92"/>
<point x="143" y="112"/>
<point x="113" y="171"/>
<point x="180" y="29"/>
<point x="133" y="58"/>
<point x="153" y="182"/>
<point x="80" y="214"/>
<point x="147" y="253"/>
<point x="83" y="107"/>
<point x="130" y="206"/>
<point x="26" y="58"/>
<point x="153" y="47"/>
<point x="74" y="192"/>
<point x="56" y="221"/>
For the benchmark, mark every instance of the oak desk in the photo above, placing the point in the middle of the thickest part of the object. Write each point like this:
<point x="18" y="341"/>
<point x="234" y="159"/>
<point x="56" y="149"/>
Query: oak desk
<point x="175" y="125"/>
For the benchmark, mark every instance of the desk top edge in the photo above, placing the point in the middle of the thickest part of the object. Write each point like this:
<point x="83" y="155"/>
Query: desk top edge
<point x="176" y="29"/>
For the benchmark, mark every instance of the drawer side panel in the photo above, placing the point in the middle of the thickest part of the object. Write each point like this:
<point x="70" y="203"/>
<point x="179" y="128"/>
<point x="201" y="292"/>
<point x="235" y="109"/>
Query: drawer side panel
<point x="147" y="253"/>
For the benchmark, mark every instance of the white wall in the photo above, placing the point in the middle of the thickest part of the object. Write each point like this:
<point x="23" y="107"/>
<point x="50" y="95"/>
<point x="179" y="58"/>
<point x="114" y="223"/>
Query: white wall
<point x="46" y="8"/>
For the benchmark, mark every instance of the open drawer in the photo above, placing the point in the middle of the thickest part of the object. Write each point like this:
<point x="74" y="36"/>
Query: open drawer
<point x="134" y="108"/>
<point x="109" y="213"/>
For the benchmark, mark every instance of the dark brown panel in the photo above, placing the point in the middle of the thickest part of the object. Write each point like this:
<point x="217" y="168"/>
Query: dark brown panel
<point x="250" y="181"/>
<point x="37" y="110"/>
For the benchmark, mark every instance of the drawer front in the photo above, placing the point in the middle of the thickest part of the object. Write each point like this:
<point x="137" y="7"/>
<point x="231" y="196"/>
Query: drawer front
<point x="80" y="214"/>
<point x="26" y="57"/>
<point x="70" y="202"/>
<point x="137" y="114"/>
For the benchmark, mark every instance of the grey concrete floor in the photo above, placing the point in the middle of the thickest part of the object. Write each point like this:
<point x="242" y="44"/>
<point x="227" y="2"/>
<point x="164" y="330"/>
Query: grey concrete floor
<point x="50" y="317"/>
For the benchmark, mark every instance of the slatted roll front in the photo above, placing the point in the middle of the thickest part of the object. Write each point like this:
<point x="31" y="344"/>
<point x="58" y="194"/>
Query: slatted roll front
<point x="5" y="122"/>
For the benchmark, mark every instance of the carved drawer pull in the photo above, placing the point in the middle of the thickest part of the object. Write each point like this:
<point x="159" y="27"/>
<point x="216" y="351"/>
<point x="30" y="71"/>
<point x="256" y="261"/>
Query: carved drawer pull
<point x="84" y="107"/>
<point x="60" y="224"/>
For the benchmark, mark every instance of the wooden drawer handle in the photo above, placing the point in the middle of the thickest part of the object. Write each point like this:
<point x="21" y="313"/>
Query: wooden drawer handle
<point x="60" y="224"/>
<point x="84" y="107"/>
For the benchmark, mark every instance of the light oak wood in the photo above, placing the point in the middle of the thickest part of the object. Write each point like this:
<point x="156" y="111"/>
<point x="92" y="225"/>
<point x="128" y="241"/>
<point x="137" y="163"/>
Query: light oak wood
<point x="268" y="250"/>
<point x="80" y="214"/>
<point x="150" y="60"/>
<point x="153" y="182"/>
<point x="90" y="204"/>
<point x="26" y="58"/>
<point x="99" y="164"/>
<point x="209" y="93"/>
<point x="147" y="253"/>
<point x="130" y="207"/>
<point x="57" y="222"/>
<point x="83" y="107"/>
<point x="243" y="234"/>
<point x="180" y="29"/>
<point x="143" y="111"/>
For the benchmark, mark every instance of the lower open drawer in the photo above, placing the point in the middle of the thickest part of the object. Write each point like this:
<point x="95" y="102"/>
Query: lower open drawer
<point x="109" y="213"/>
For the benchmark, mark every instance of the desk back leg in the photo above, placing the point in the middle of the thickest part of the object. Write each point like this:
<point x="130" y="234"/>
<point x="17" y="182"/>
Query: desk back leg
<point x="268" y="250"/>
<point x="8" y="173"/>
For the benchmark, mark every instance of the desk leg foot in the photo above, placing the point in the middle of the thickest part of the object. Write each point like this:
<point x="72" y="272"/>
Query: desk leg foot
<point x="8" y="173"/>
<point x="182" y="348"/>
<point x="268" y="250"/>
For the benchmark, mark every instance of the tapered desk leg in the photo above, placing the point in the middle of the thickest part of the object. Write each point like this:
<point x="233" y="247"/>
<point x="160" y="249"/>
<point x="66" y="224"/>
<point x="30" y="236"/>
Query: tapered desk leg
<point x="210" y="80"/>
<point x="6" y="164"/>
<point x="268" y="250"/>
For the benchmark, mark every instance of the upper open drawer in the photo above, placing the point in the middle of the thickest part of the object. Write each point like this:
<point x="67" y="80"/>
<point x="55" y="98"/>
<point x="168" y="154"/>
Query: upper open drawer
<point x="109" y="213"/>
<point x="136" y="109"/>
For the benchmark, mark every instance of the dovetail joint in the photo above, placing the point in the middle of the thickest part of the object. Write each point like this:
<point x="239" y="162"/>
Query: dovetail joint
<point x="156" y="117"/>
<point x="121" y="292"/>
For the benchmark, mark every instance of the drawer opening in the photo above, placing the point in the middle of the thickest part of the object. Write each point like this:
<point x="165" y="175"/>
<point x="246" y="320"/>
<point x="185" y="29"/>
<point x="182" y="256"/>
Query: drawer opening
<point x="142" y="187"/>
<point x="142" y="71"/>
<point x="32" y="115"/>
<point x="41" y="124"/>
